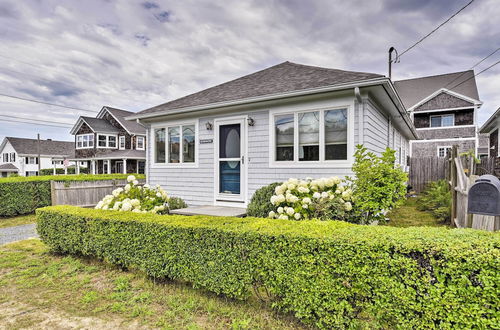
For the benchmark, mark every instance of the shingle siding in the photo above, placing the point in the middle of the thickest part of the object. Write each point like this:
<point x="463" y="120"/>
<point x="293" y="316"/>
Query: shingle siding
<point x="447" y="133"/>
<point x="443" y="101"/>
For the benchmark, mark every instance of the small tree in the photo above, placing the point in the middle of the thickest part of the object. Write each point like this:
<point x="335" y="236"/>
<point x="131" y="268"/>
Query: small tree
<point x="379" y="185"/>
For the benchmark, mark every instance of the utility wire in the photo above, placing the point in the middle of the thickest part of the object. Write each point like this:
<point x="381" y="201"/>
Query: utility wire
<point x="37" y="120"/>
<point x="47" y="103"/>
<point x="33" y="123"/>
<point x="437" y="28"/>
<point x="472" y="67"/>
<point x="477" y="74"/>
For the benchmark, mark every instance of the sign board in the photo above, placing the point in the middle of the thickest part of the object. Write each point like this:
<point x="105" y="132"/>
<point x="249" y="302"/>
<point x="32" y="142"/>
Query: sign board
<point x="206" y="141"/>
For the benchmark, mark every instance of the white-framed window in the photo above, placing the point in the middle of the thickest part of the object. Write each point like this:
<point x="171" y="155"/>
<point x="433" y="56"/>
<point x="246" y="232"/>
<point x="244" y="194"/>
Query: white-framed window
<point x="31" y="160"/>
<point x="12" y="156"/>
<point x="310" y="137"/>
<point x="121" y="142"/>
<point x="5" y="157"/>
<point x="31" y="173"/>
<point x="85" y="141"/>
<point x="443" y="151"/>
<point x="106" y="141"/>
<point x="139" y="144"/>
<point x="57" y="162"/>
<point x="442" y="120"/>
<point x="175" y="144"/>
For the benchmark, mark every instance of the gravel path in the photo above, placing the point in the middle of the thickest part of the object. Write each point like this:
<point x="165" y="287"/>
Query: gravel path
<point x="17" y="233"/>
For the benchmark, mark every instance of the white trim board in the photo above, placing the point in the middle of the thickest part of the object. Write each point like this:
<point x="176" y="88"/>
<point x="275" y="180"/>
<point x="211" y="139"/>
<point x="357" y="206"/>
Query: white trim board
<point x="447" y="91"/>
<point x="472" y="107"/>
<point x="446" y="127"/>
<point x="447" y="139"/>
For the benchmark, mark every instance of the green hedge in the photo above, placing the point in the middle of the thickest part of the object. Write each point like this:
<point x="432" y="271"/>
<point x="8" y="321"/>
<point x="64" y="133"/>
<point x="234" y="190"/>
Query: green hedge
<point x="23" y="195"/>
<point x="70" y="170"/>
<point x="330" y="274"/>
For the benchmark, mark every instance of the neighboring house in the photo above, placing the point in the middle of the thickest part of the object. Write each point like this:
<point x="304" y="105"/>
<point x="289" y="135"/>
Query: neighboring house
<point x="217" y="146"/>
<point x="490" y="128"/>
<point x="109" y="143"/>
<point x="20" y="156"/>
<point x="444" y="111"/>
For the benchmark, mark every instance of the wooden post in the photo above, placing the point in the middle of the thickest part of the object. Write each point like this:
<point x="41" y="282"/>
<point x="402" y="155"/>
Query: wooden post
<point x="453" y="182"/>
<point x="53" y="198"/>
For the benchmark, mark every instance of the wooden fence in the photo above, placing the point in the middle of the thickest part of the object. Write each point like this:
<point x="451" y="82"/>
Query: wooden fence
<point x="427" y="169"/>
<point x="83" y="193"/>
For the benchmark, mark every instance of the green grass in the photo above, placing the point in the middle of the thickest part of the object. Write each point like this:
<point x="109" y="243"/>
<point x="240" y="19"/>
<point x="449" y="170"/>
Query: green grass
<point x="35" y="279"/>
<point x="17" y="221"/>
<point x="407" y="215"/>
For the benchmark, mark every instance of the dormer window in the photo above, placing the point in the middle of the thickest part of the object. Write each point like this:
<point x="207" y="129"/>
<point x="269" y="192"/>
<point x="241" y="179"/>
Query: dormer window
<point x="84" y="141"/>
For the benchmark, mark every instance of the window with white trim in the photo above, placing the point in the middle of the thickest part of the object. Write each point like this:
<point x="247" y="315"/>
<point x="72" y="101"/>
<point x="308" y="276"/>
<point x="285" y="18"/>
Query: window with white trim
<point x="12" y="156"/>
<point x="85" y="141"/>
<point x="444" y="151"/>
<point x="106" y="141"/>
<point x="31" y="160"/>
<point x="31" y="173"/>
<point x="310" y="136"/>
<point x="175" y="144"/>
<point x="5" y="157"/>
<point x="443" y="120"/>
<point x="57" y="162"/>
<point x="139" y="144"/>
<point x="121" y="143"/>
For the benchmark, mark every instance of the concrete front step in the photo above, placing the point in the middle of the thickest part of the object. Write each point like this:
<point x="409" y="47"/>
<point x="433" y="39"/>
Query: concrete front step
<point x="217" y="211"/>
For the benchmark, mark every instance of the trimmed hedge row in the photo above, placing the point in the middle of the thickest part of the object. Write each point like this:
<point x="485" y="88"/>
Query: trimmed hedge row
<point x="331" y="274"/>
<point x="23" y="195"/>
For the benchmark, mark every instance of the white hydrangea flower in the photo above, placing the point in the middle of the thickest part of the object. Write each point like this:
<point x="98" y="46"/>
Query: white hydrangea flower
<point x="126" y="206"/>
<point x="136" y="210"/>
<point x="99" y="205"/>
<point x="105" y="207"/>
<point x="272" y="214"/>
<point x="291" y="186"/>
<point x="307" y="200"/>
<point x="279" y="190"/>
<point x="135" y="202"/>
<point x="117" y="206"/>
<point x="135" y="182"/>
<point x="329" y="182"/>
<point x="146" y="186"/>
<point x="297" y="216"/>
<point x="281" y="198"/>
<point x="280" y="210"/>
<point x="127" y="188"/>
<point x="324" y="194"/>
<point x="347" y="206"/>
<point x="293" y="181"/>
<point x="317" y="195"/>
<point x="303" y="190"/>
<point x="336" y="180"/>
<point x="283" y="217"/>
<point x="130" y="178"/>
<point x="305" y="206"/>
<point x="158" y="194"/>
<point x="274" y="199"/>
<point x="290" y="211"/>
<point x="341" y="189"/>
<point x="338" y="192"/>
<point x="346" y="195"/>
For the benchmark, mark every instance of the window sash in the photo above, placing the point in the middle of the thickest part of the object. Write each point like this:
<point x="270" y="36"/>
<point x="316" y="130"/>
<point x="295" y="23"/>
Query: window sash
<point x="140" y="143"/>
<point x="296" y="141"/>
<point x="442" y="120"/>
<point x="106" y="141"/>
<point x="175" y="133"/>
<point x="122" y="143"/>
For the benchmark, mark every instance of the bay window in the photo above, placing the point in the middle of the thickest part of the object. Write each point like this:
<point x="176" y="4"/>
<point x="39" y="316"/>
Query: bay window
<point x="310" y="136"/>
<point x="175" y="144"/>
<point x="84" y="141"/>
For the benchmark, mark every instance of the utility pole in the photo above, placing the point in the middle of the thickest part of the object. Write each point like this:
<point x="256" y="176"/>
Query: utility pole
<point x="38" y="149"/>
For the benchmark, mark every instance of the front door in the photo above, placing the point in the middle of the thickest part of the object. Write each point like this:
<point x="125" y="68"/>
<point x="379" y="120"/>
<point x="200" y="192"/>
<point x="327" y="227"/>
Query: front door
<point x="230" y="162"/>
<point x="119" y="166"/>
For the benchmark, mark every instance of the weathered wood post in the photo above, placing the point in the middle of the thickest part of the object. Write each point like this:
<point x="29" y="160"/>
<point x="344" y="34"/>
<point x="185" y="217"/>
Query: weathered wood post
<point x="453" y="182"/>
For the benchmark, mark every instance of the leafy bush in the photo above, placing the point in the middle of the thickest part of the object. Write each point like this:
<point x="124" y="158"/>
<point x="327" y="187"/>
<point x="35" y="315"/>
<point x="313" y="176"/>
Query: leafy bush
<point x="260" y="204"/>
<point x="71" y="170"/>
<point x="327" y="273"/>
<point x="139" y="199"/>
<point x="323" y="199"/>
<point x="23" y="195"/>
<point x="379" y="184"/>
<point x="436" y="198"/>
<point x="175" y="203"/>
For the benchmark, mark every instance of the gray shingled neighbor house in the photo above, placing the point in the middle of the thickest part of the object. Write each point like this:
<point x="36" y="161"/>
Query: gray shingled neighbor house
<point x="110" y="144"/>
<point x="444" y="110"/>
<point x="20" y="155"/>
<point x="490" y="128"/>
<point x="217" y="146"/>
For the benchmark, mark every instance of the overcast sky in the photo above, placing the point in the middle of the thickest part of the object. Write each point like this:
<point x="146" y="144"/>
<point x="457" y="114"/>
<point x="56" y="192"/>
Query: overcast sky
<point x="135" y="54"/>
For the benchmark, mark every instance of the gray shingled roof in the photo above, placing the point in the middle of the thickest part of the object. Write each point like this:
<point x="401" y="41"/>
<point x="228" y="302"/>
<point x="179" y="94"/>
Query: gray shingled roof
<point x="47" y="147"/>
<point x="100" y="125"/>
<point x="415" y="90"/>
<point x="281" y="78"/>
<point x="130" y="125"/>
<point x="8" y="167"/>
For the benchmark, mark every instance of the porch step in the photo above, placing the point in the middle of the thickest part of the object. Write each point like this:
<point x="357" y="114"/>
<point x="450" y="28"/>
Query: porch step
<point x="217" y="211"/>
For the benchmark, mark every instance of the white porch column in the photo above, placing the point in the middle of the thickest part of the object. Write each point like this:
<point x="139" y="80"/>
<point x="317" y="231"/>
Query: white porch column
<point x="109" y="166"/>
<point x="55" y="172"/>
<point x="92" y="165"/>
<point x="77" y="167"/>
<point x="124" y="166"/>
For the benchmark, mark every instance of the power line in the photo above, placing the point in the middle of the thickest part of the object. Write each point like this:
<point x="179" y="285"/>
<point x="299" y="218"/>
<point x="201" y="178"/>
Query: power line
<point x="32" y="123"/>
<point x="47" y="103"/>
<point x="472" y="67"/>
<point x="437" y="28"/>
<point x="477" y="74"/>
<point x="37" y="120"/>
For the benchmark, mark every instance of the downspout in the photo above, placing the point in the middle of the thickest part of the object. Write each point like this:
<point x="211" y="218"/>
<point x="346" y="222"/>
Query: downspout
<point x="361" y="115"/>
<point x="389" y="124"/>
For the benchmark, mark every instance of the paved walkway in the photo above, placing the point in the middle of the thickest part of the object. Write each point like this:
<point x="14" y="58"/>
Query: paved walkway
<point x="17" y="233"/>
<point x="218" y="211"/>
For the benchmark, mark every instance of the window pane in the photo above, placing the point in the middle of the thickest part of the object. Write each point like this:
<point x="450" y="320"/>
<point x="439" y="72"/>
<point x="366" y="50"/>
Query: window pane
<point x="122" y="142"/>
<point x="188" y="144"/>
<point x="336" y="134"/>
<point x="112" y="141"/>
<point x="160" y="145"/>
<point x="140" y="142"/>
<point x="284" y="137"/>
<point x="102" y="141"/>
<point x="91" y="140"/>
<point x="309" y="136"/>
<point x="436" y="121"/>
<point x="173" y="144"/>
<point x="229" y="177"/>
<point x="447" y="120"/>
<point x="229" y="141"/>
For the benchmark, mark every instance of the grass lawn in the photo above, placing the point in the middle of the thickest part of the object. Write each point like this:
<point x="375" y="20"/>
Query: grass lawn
<point x="17" y="221"/>
<point x="40" y="289"/>
<point x="407" y="215"/>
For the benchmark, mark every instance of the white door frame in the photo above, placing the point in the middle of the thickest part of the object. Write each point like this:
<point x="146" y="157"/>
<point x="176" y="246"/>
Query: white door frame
<point x="227" y="200"/>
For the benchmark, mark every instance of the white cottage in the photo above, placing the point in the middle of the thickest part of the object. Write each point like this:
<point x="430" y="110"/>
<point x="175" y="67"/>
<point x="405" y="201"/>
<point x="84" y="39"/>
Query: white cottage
<point x="217" y="146"/>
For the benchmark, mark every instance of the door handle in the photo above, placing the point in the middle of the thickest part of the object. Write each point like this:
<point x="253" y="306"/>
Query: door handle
<point x="242" y="160"/>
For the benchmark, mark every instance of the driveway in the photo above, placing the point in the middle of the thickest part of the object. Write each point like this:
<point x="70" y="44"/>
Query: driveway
<point x="17" y="233"/>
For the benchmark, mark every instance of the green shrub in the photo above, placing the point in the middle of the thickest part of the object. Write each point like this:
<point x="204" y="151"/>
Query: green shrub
<point x="70" y="170"/>
<point x="175" y="203"/>
<point x="327" y="273"/>
<point x="436" y="198"/>
<point x="379" y="184"/>
<point x="260" y="204"/>
<point x="23" y="195"/>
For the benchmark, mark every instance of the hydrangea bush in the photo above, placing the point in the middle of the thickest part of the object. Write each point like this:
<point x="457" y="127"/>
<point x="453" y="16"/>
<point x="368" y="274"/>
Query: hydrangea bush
<point x="136" y="198"/>
<point x="324" y="199"/>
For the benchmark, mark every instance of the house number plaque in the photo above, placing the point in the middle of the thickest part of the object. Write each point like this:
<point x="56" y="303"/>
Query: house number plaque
<point x="206" y="141"/>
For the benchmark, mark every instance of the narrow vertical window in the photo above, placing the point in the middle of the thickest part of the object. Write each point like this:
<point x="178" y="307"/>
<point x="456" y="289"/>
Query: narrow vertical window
<point x="159" y="145"/>
<point x="188" y="146"/>
<point x="122" y="143"/>
<point x="284" y="127"/>
<point x="173" y="144"/>
<point x="308" y="136"/>
<point x="336" y="134"/>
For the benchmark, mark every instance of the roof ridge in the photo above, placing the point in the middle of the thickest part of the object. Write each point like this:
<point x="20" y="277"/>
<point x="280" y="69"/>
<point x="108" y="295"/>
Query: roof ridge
<point x="47" y="140"/>
<point x="331" y="69"/>
<point x="436" y="75"/>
